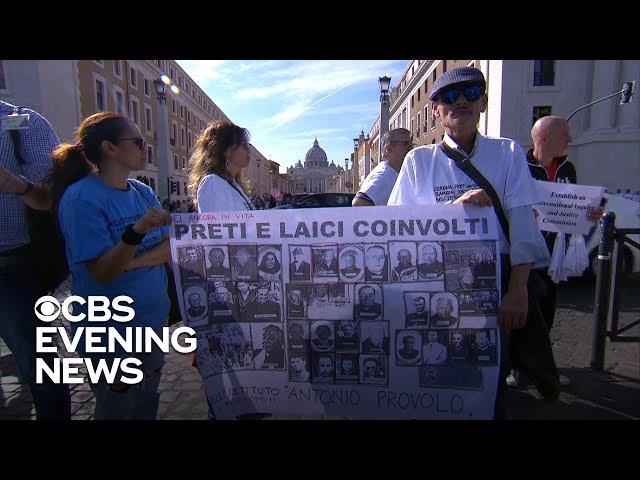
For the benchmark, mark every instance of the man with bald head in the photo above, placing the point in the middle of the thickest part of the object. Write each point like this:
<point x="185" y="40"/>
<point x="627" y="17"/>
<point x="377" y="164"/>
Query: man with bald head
<point x="547" y="161"/>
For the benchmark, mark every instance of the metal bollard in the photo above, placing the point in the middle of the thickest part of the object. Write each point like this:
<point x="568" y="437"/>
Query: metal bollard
<point x="603" y="290"/>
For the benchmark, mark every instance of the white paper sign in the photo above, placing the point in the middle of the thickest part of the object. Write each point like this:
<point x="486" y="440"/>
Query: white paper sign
<point x="563" y="207"/>
<point x="380" y="312"/>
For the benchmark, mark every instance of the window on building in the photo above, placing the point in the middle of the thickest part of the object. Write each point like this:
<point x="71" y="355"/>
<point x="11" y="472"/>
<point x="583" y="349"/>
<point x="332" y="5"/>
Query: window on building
<point x="433" y="120"/>
<point x="175" y="161"/>
<point x="173" y="106"/>
<point x="150" y="154"/>
<point x="418" y="124"/>
<point x="181" y="111"/>
<point x="182" y="136"/>
<point x="158" y="63"/>
<point x="175" y="133"/>
<point x="146" y="87"/>
<point x="177" y="188"/>
<point x="135" y="112"/>
<point x="189" y="141"/>
<point x="179" y="81"/>
<point x="3" y="78"/>
<point x="425" y="87"/>
<point x="426" y="116"/>
<point x="444" y="66"/>
<point x="117" y="68"/>
<point x="184" y="162"/>
<point x="100" y="62"/>
<point x="418" y="99"/>
<point x="119" y="102"/>
<point x="188" y="116"/>
<point x="100" y="99"/>
<point x="411" y="101"/>
<point x="147" y="118"/>
<point x="543" y="73"/>
<point x="434" y="76"/>
<point x="539" y="112"/>
<point x="133" y="77"/>
<point x="172" y="74"/>
<point x="412" y="129"/>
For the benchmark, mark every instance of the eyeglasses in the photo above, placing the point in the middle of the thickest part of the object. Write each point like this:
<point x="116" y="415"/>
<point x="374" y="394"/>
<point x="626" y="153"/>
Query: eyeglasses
<point x="408" y="143"/>
<point x="471" y="92"/>
<point x="140" y="142"/>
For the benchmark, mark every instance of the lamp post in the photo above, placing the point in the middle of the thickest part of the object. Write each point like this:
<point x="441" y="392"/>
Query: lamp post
<point x="161" y="83"/>
<point x="384" y="108"/>
<point x="626" y="92"/>
<point x="169" y="182"/>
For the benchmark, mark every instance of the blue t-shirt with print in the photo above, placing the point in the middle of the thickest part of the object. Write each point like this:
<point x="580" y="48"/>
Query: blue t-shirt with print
<point x="92" y="217"/>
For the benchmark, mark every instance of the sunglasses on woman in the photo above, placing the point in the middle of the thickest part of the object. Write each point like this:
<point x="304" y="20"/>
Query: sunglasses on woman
<point x="140" y="142"/>
<point x="471" y="92"/>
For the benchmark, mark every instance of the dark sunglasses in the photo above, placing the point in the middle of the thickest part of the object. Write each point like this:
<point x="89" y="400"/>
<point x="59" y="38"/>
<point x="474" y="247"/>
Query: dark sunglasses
<point x="471" y="92"/>
<point x="139" y="141"/>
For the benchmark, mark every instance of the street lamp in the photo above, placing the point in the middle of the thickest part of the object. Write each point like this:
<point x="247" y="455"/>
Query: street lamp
<point x="258" y="163"/>
<point x="169" y="185"/>
<point x="385" y="82"/>
<point x="626" y="96"/>
<point x="160" y="84"/>
<point x="384" y="87"/>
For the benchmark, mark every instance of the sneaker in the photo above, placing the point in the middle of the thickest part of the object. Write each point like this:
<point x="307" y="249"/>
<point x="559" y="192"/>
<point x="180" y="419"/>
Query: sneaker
<point x="564" y="380"/>
<point x="513" y="380"/>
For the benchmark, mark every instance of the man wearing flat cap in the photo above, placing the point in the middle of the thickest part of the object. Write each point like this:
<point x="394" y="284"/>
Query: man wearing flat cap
<point x="299" y="270"/>
<point x="431" y="175"/>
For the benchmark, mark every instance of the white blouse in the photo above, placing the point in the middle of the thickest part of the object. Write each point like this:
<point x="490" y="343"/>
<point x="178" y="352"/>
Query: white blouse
<point x="217" y="194"/>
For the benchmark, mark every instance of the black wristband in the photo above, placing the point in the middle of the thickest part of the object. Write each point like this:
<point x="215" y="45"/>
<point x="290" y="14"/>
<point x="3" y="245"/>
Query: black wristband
<point x="131" y="237"/>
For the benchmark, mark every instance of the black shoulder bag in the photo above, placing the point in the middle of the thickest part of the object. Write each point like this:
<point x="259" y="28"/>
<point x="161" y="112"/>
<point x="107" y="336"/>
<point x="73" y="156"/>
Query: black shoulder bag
<point x="47" y="247"/>
<point x="528" y="348"/>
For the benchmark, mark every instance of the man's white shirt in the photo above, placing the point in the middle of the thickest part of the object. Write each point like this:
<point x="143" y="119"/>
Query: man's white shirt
<point x="379" y="183"/>
<point x="428" y="176"/>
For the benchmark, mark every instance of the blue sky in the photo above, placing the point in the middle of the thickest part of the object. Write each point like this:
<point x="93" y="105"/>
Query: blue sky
<point x="286" y="104"/>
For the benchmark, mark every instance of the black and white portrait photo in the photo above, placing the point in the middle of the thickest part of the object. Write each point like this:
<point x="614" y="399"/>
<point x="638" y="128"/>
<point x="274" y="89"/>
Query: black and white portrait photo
<point x="299" y="368"/>
<point x="245" y="292"/>
<point x="217" y="263"/>
<point x="403" y="261"/>
<point x="330" y="301"/>
<point x="191" y="264"/>
<point x="451" y="267"/>
<point x="338" y="293"/>
<point x="297" y="302"/>
<point x="374" y="337"/>
<point x="483" y="347"/>
<point x="299" y="263"/>
<point x="222" y="306"/>
<point x="230" y="347"/>
<point x="265" y="305"/>
<point x="486" y="301"/>
<point x="269" y="263"/>
<point x="322" y="367"/>
<point x="458" y="349"/>
<point x="408" y="348"/>
<point x="325" y="261"/>
<point x="268" y="346"/>
<point x="373" y="369"/>
<point x="368" y="302"/>
<point x="430" y="264"/>
<point x="444" y="310"/>
<point x="351" y="259"/>
<point x="244" y="263"/>
<point x="484" y="266"/>
<point x="470" y="265"/>
<point x="416" y="307"/>
<point x="323" y="337"/>
<point x="195" y="305"/>
<point x="347" y="335"/>
<point x="298" y="335"/>
<point x="376" y="267"/>
<point x="347" y="367"/>
<point x="434" y="350"/>
<point x="467" y="304"/>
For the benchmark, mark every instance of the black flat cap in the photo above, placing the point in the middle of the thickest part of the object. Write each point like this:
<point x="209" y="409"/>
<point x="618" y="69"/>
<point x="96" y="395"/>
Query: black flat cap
<point x="456" y="75"/>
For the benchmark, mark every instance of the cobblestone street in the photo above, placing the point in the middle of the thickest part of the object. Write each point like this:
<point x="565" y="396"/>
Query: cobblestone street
<point x="613" y="394"/>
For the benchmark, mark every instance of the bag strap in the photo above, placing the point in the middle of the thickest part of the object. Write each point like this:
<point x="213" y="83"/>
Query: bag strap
<point x="463" y="163"/>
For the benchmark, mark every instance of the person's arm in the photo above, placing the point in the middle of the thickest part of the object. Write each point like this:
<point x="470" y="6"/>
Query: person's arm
<point x="158" y="255"/>
<point x="111" y="264"/>
<point x="361" y="201"/>
<point x="515" y="303"/>
<point x="38" y="197"/>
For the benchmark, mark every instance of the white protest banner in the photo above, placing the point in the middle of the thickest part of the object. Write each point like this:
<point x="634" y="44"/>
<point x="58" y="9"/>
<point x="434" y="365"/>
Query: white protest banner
<point x="563" y="207"/>
<point x="380" y="312"/>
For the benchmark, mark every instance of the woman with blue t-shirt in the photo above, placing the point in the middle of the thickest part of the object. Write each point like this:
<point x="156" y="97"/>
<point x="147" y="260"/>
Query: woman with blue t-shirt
<point x="116" y="241"/>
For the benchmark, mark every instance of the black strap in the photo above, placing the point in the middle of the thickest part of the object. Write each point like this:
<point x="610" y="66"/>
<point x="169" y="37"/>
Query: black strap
<point x="244" y="199"/>
<point x="463" y="163"/>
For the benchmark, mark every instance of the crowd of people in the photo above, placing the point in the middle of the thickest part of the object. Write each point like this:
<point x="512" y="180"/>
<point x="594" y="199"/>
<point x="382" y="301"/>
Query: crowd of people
<point x="116" y="230"/>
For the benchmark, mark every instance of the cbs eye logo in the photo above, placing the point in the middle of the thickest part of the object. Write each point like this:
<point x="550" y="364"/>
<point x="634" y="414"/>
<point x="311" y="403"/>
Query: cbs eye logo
<point x="47" y="308"/>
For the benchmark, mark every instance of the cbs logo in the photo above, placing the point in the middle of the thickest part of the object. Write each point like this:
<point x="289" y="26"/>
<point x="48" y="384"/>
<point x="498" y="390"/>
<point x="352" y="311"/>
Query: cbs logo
<point x="99" y="308"/>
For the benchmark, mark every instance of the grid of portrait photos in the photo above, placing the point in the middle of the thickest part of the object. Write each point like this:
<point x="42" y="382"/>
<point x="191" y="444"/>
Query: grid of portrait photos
<point x="447" y="355"/>
<point x="233" y="298"/>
